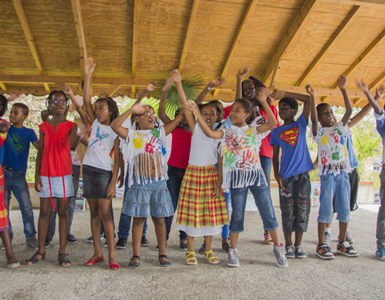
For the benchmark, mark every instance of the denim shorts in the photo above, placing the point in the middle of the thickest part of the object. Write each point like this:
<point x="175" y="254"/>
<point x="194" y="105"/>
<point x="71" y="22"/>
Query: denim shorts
<point x="151" y="199"/>
<point x="57" y="188"/>
<point x="95" y="182"/>
<point x="339" y="186"/>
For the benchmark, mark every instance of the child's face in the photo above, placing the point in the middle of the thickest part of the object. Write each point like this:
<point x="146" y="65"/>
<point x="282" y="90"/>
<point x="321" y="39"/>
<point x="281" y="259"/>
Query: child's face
<point x="286" y="112"/>
<point x="16" y="116"/>
<point x="248" y="90"/>
<point x="102" y="112"/>
<point x="326" y="116"/>
<point x="58" y="104"/>
<point x="146" y="120"/>
<point x="238" y="115"/>
<point x="222" y="112"/>
<point x="209" y="114"/>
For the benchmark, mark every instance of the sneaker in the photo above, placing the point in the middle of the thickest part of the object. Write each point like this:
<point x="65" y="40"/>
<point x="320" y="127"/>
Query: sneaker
<point x="299" y="252"/>
<point x="267" y="237"/>
<point x="105" y="244"/>
<point x="346" y="249"/>
<point x="32" y="243"/>
<point x="380" y="253"/>
<point x="202" y="248"/>
<point x="183" y="244"/>
<point x="327" y="237"/>
<point x="90" y="239"/>
<point x="47" y="243"/>
<point x="279" y="253"/>
<point x="233" y="260"/>
<point x="349" y="238"/>
<point x="121" y="244"/>
<point x="71" y="239"/>
<point x="323" y="251"/>
<point x="2" y="247"/>
<point x="290" y="252"/>
<point x="144" y="242"/>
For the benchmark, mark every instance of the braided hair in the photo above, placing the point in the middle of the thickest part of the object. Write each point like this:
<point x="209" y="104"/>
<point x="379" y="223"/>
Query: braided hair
<point x="112" y="107"/>
<point x="4" y="105"/>
<point x="258" y="84"/>
<point x="49" y="99"/>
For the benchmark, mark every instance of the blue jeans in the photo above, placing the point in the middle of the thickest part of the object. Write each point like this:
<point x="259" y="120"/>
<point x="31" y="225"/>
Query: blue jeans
<point x="225" y="228"/>
<point x="14" y="181"/>
<point x="339" y="186"/>
<point x="175" y="177"/>
<point x="381" y="214"/>
<point x="262" y="201"/>
<point x="266" y="167"/>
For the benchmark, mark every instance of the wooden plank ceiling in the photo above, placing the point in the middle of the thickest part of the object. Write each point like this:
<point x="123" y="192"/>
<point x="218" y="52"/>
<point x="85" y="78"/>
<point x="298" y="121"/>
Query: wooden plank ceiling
<point x="287" y="44"/>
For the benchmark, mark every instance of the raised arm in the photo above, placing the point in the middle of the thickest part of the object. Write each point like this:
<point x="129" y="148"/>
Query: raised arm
<point x="68" y="90"/>
<point x="240" y="75"/>
<point x="373" y="103"/>
<point x="348" y="105"/>
<point x="89" y="67"/>
<point x="116" y="124"/>
<point x="162" y="103"/>
<point x="168" y="128"/>
<point x="150" y="87"/>
<point x="277" y="94"/>
<point x="272" y="122"/>
<point x="213" y="83"/>
<point x="313" y="110"/>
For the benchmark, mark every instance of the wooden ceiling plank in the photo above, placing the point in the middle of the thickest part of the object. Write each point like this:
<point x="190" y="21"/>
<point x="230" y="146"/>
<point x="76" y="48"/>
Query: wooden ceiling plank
<point x="113" y="89"/>
<point x="299" y="21"/>
<point x="46" y="87"/>
<point x="3" y="86"/>
<point x="241" y="28"/>
<point x="28" y="35"/>
<point x="341" y="29"/>
<point x="187" y="37"/>
<point x="377" y="81"/>
<point x="365" y="3"/>
<point x="135" y="36"/>
<point x="215" y="92"/>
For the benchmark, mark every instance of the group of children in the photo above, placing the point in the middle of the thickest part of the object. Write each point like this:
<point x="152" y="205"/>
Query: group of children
<point x="216" y="155"/>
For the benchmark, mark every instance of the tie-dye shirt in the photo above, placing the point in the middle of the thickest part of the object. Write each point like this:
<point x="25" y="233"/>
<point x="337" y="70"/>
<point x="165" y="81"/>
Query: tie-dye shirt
<point x="332" y="149"/>
<point x="240" y="151"/>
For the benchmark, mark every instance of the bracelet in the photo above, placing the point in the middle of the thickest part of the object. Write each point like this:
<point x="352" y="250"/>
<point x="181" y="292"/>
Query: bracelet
<point x="208" y="88"/>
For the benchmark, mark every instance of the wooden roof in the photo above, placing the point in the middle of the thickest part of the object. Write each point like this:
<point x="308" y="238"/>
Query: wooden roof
<point x="287" y="44"/>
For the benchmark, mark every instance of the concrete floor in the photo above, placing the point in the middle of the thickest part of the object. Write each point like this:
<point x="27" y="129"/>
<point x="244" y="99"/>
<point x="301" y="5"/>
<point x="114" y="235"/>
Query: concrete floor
<point x="257" y="278"/>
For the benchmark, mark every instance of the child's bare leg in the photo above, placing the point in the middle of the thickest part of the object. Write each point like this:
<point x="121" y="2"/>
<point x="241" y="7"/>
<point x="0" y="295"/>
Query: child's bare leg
<point x="298" y="237"/>
<point x="6" y="238"/>
<point x="190" y="243"/>
<point x="329" y="225"/>
<point x="105" y="216"/>
<point x="233" y="239"/>
<point x="321" y="233"/>
<point x="137" y="232"/>
<point x="288" y="240"/>
<point x="160" y="230"/>
<point x="43" y="222"/>
<point x="62" y="211"/>
<point x="343" y="229"/>
<point x="208" y="247"/>
<point x="275" y="237"/>
<point x="95" y="227"/>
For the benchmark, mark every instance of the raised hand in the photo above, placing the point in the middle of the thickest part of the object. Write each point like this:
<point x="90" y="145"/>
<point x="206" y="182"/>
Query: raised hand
<point x="261" y="93"/>
<point x="14" y="95"/>
<point x="191" y="107"/>
<point x="380" y="91"/>
<point x="168" y="84"/>
<point x="138" y="108"/>
<point x="150" y="87"/>
<point x="362" y="85"/>
<point x="243" y="72"/>
<point x="68" y="90"/>
<point x="175" y="75"/>
<point x="89" y="66"/>
<point x="342" y="82"/>
<point x="277" y="94"/>
<point x="310" y="90"/>
<point x="217" y="81"/>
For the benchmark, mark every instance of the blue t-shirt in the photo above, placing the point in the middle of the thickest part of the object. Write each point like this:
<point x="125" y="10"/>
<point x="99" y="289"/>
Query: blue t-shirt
<point x="352" y="156"/>
<point x="16" y="148"/>
<point x="291" y="139"/>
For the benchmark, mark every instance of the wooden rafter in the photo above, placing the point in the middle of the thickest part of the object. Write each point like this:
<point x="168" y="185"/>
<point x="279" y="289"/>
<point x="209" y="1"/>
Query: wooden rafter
<point x="3" y="86"/>
<point x="188" y="34"/>
<point x="113" y="89"/>
<point x="377" y="81"/>
<point x="241" y="28"/>
<point x="366" y="3"/>
<point x="329" y="44"/>
<point x="76" y="8"/>
<point x="299" y="21"/>
<point x="135" y="23"/>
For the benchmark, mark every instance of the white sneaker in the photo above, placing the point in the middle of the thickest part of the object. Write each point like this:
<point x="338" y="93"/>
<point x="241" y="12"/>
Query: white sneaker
<point x="233" y="260"/>
<point x="279" y="253"/>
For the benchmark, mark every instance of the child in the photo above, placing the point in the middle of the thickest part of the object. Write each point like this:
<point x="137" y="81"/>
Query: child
<point x="147" y="174"/>
<point x="333" y="169"/>
<point x="53" y="175"/>
<point x="292" y="174"/>
<point x="99" y="175"/>
<point x="379" y="115"/>
<point x="242" y="171"/>
<point x="15" y="161"/>
<point x="12" y="262"/>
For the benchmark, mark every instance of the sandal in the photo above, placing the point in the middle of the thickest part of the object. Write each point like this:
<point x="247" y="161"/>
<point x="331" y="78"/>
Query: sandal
<point x="191" y="258"/>
<point x="33" y="259"/>
<point x="136" y="264"/>
<point x="268" y="239"/>
<point x="213" y="260"/>
<point x="164" y="263"/>
<point x="63" y="260"/>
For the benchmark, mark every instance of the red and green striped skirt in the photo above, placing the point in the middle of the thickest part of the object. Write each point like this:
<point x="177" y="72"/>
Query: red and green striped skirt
<point x="197" y="205"/>
<point x="4" y="224"/>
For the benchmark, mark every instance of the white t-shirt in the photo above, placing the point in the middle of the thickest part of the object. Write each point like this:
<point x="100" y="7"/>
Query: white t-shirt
<point x="100" y="145"/>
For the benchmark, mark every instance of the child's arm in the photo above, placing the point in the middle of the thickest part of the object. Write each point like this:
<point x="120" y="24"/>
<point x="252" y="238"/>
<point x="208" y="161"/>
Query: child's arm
<point x="314" y="115"/>
<point x="38" y="183"/>
<point x="68" y="90"/>
<point x="162" y="103"/>
<point x="150" y="87"/>
<point x="168" y="128"/>
<point x="213" y="83"/>
<point x="75" y="139"/>
<point x="348" y="105"/>
<point x="301" y="97"/>
<point x="116" y="124"/>
<point x="121" y="169"/>
<point x="218" y="189"/>
<point x="272" y="122"/>
<point x="111" y="190"/>
<point x="364" y="87"/>
<point x="89" y="67"/>
<point x="45" y="115"/>
<point x="240" y="75"/>
<point x="278" y="177"/>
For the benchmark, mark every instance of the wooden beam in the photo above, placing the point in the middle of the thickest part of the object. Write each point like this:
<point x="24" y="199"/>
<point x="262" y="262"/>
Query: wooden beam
<point x="77" y="12"/>
<point x="135" y="34"/>
<point x="3" y="86"/>
<point x="46" y="87"/>
<point x="274" y="77"/>
<point x="357" y="100"/>
<point x="133" y="89"/>
<point x="299" y="21"/>
<point x="188" y="34"/>
<point x="320" y="91"/>
<point x="377" y="81"/>
<point x="215" y="92"/>
<point x="113" y="89"/>
<point x="341" y="29"/>
<point x="365" y="3"/>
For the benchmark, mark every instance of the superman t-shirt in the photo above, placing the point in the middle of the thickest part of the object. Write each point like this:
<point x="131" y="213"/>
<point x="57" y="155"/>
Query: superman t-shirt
<point x="291" y="139"/>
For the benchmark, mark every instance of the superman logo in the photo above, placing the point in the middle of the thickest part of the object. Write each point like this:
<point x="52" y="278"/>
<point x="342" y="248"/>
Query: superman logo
<point x="290" y="136"/>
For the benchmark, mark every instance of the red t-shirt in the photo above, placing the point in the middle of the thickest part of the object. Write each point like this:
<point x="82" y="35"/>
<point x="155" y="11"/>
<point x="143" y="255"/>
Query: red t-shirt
<point x="56" y="159"/>
<point x="266" y="149"/>
<point x="180" y="148"/>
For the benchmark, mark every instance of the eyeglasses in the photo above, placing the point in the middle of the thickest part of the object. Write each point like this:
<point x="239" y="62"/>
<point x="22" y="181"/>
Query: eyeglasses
<point x="147" y="115"/>
<point x="57" y="102"/>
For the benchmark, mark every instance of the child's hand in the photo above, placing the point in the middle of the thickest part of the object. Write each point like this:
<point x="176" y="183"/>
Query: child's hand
<point x="111" y="191"/>
<point x="277" y="94"/>
<point x="175" y="74"/>
<point x="362" y="85"/>
<point x="342" y="82"/>
<point x="89" y="66"/>
<point x="69" y="92"/>
<point x="14" y="96"/>
<point x="191" y="107"/>
<point x="82" y="132"/>
<point x="168" y="84"/>
<point x="150" y="87"/>
<point x="38" y="184"/>
<point x="242" y="73"/>
<point x="310" y="90"/>
<point x="217" y="82"/>
<point x="380" y="92"/>
<point x="217" y="192"/>
<point x="261" y="94"/>
<point x="279" y="180"/>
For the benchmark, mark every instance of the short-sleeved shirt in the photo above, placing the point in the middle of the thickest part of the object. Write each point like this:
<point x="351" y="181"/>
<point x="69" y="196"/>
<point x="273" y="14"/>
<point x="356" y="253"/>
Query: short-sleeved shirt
<point x="16" y="148"/>
<point x="380" y="120"/>
<point x="180" y="149"/>
<point x="203" y="148"/>
<point x="291" y="139"/>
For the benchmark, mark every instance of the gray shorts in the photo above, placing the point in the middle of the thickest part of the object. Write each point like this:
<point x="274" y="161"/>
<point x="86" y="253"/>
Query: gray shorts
<point x="95" y="182"/>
